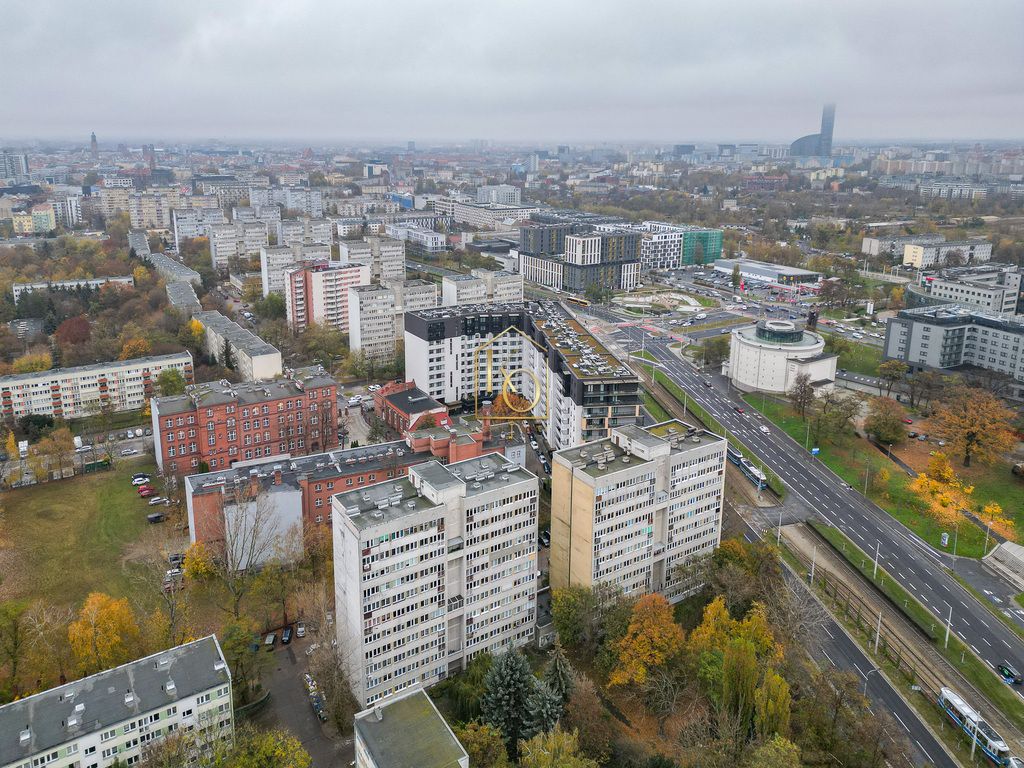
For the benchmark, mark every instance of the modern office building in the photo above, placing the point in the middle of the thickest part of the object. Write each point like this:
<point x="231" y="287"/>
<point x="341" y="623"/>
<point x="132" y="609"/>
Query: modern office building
<point x="608" y="258"/>
<point x="768" y="357"/>
<point x="926" y="255"/>
<point x="371" y="322"/>
<point x="506" y="194"/>
<point x="948" y="337"/>
<point x="406" y="730"/>
<point x="577" y="389"/>
<point x="114" y="716"/>
<point x="318" y="293"/>
<point x="71" y="393"/>
<point x="464" y="537"/>
<point x="231" y="345"/>
<point x="628" y="510"/>
<point x="761" y="271"/>
<point x="992" y="288"/>
<point x="670" y="246"/>
<point x="219" y="424"/>
<point x="817" y="144"/>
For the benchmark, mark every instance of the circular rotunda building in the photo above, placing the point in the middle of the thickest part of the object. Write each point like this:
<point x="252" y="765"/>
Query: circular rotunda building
<point x="768" y="357"/>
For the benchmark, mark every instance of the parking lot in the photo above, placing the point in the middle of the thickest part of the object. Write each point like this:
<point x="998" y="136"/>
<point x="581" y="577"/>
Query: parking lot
<point x="289" y="707"/>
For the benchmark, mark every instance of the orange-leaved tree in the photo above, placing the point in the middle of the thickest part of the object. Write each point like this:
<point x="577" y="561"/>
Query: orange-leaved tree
<point x="134" y="347"/>
<point x="105" y="633"/>
<point x="652" y="639"/>
<point x="976" y="424"/>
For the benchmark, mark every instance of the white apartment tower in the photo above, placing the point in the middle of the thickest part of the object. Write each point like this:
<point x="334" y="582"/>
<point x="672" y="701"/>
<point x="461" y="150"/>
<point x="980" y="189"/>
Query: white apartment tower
<point x="628" y="510"/>
<point x="371" y="321"/>
<point x="432" y="570"/>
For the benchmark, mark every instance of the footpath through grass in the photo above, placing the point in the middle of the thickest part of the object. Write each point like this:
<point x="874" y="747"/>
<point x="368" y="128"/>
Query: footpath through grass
<point x="957" y="654"/>
<point x="61" y="540"/>
<point x="854" y="460"/>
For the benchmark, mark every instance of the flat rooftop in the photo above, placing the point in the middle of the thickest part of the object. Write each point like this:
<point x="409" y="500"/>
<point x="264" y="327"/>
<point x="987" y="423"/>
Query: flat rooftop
<point x="407" y="731"/>
<point x="109" y="698"/>
<point x="98" y="367"/>
<point x="239" y="337"/>
<point x="764" y="265"/>
<point x="246" y="392"/>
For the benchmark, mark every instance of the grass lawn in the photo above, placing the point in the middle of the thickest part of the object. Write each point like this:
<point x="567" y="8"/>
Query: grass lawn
<point x="61" y="540"/>
<point x="645" y="355"/>
<point x="654" y="407"/>
<point x="859" y="358"/>
<point x="851" y="458"/>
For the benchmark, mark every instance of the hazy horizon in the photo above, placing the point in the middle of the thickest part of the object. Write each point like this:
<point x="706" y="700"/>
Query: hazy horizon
<point x="513" y="73"/>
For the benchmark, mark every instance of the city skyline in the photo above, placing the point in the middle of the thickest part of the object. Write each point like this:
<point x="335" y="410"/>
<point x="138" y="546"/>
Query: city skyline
<point x="322" y="74"/>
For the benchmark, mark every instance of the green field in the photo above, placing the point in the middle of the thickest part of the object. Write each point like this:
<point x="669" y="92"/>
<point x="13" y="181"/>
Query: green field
<point x="61" y="540"/>
<point x="859" y="358"/>
<point x="853" y="459"/>
<point x="654" y="407"/>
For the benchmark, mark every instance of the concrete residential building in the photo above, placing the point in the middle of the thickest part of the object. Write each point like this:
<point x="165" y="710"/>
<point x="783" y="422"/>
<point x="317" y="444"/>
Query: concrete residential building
<point x="420" y="240"/>
<point x="115" y="715"/>
<point x="462" y="289"/>
<point x="501" y="287"/>
<point x="182" y="296"/>
<point x="388" y="259"/>
<point x="405" y="730"/>
<point x="268" y="214"/>
<point x="578" y="388"/>
<point x="923" y="256"/>
<point x="506" y="194"/>
<point x="411" y="296"/>
<point x="484" y="215"/>
<point x="318" y="293"/>
<point x="371" y="322"/>
<point x="222" y="424"/>
<point x="252" y="357"/>
<point x="893" y="246"/>
<point x="193" y="222"/>
<point x="670" y="246"/>
<point x="19" y="289"/>
<point x="71" y="393"/>
<point x="307" y="200"/>
<point x="242" y="239"/>
<point x="948" y="337"/>
<point x="628" y="509"/>
<point x="291" y="231"/>
<point x="470" y="529"/>
<point x="768" y="357"/>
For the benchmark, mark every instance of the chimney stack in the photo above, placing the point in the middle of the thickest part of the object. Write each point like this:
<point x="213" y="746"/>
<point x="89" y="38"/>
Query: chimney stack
<point x="254" y="481"/>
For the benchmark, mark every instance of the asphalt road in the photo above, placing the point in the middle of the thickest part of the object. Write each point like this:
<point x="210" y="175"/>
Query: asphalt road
<point x="916" y="565"/>
<point x="835" y="648"/>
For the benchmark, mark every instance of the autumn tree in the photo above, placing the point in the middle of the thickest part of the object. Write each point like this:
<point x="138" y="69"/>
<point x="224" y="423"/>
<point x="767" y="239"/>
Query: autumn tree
<point x="171" y="382"/>
<point x="104" y="634"/>
<point x="49" y="651"/>
<point x="831" y="414"/>
<point x="802" y="394"/>
<point x="715" y="351"/>
<point x="772" y="702"/>
<point x="885" y="421"/>
<point x="134" y="347"/>
<point x="74" y="330"/>
<point x="976" y="424"/>
<point x="590" y="719"/>
<point x="483" y="744"/>
<point x="651" y="640"/>
<point x="891" y="372"/>
<point x="32" y="362"/>
<point x="572" y="612"/>
<point x="739" y="679"/>
<point x="555" y="749"/>
<point x="14" y="640"/>
<point x="778" y="752"/>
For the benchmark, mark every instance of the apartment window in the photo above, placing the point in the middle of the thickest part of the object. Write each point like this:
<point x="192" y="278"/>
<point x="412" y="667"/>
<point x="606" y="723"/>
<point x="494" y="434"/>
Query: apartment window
<point x="108" y="735"/>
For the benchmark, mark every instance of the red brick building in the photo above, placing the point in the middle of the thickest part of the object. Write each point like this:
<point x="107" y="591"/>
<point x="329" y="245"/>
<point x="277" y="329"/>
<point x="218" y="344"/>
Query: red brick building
<point x="403" y="406"/>
<point x="221" y="424"/>
<point x="312" y="480"/>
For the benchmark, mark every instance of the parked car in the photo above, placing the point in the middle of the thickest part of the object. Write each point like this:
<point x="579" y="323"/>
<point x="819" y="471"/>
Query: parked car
<point x="129" y="452"/>
<point x="156" y="517"/>
<point x="908" y="421"/>
<point x="270" y="641"/>
<point x="545" y="538"/>
<point x="141" y="480"/>
<point x="286" y="636"/>
<point x="176" y="559"/>
<point x="300" y="630"/>
<point x="147" y="493"/>
<point x="158" y="500"/>
<point x="147" y="432"/>
<point x="309" y="682"/>
<point x="373" y="388"/>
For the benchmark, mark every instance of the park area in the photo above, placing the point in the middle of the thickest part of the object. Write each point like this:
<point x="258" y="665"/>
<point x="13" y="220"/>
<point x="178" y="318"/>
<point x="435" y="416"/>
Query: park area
<point x="867" y="469"/>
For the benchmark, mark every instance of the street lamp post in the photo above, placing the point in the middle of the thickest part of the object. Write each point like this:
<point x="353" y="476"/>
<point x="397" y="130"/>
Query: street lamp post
<point x="949" y="623"/>
<point x="866" y="676"/>
<point x="874" y="573"/>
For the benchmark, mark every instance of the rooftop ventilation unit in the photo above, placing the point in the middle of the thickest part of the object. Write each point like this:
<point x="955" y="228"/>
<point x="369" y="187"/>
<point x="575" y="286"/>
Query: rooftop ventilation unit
<point x="129" y="699"/>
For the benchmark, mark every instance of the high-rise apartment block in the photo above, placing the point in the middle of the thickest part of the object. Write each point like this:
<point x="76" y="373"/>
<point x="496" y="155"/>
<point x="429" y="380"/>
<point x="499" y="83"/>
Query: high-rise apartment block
<point x="628" y="510"/>
<point x="371" y="322"/>
<point x="292" y="231"/>
<point x="13" y="164"/>
<point x="432" y="570"/>
<point x="608" y="258"/>
<point x="115" y="716"/>
<point x="219" y="424"/>
<point x="462" y="289"/>
<point x="193" y="222"/>
<point x="578" y="389"/>
<point x="385" y="255"/>
<point x="501" y="287"/>
<point x="305" y="200"/>
<point x="318" y="293"/>
<point x="239" y="239"/>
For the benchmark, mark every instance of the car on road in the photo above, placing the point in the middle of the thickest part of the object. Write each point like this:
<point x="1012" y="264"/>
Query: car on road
<point x="1009" y="674"/>
<point x="764" y="429"/>
<point x="129" y="452"/>
<point x="533" y="444"/>
<point x="545" y="538"/>
<point x="300" y="629"/>
<point x="739" y="409"/>
<point x="286" y="636"/>
<point x="708" y="383"/>
<point x="156" y="517"/>
<point x="723" y="331"/>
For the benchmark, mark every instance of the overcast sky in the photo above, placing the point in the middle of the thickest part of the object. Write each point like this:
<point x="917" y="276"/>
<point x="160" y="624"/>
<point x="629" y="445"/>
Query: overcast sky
<point x="532" y="70"/>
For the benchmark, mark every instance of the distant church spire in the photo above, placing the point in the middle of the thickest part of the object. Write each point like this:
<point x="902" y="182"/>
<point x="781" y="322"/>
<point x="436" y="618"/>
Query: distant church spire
<point x="94" y="146"/>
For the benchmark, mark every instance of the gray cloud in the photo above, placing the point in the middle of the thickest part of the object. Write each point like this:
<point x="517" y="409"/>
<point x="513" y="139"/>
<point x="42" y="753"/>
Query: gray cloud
<point x="510" y="70"/>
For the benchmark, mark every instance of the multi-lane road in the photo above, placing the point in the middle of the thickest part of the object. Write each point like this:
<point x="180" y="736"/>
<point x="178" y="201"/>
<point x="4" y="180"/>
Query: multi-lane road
<point x="917" y="566"/>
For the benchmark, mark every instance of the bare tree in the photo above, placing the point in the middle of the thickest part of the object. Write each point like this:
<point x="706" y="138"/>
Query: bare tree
<point x="48" y="630"/>
<point x="154" y="585"/>
<point x="795" y="613"/>
<point x="662" y="691"/>
<point x="802" y="394"/>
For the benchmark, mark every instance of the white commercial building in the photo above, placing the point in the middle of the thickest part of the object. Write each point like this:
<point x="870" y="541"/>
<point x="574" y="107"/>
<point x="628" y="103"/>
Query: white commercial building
<point x="227" y="341"/>
<point x="994" y="288"/>
<point x="318" y="293"/>
<point x="116" y="715"/>
<point x="506" y="194"/>
<point x="629" y="510"/>
<point x="371" y="322"/>
<point x="464" y="537"/>
<point x="462" y="289"/>
<point x="71" y="393"/>
<point x="768" y="357"/>
<point x="922" y="256"/>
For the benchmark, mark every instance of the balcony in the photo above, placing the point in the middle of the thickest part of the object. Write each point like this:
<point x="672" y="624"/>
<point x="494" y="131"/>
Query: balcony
<point x="455" y="603"/>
